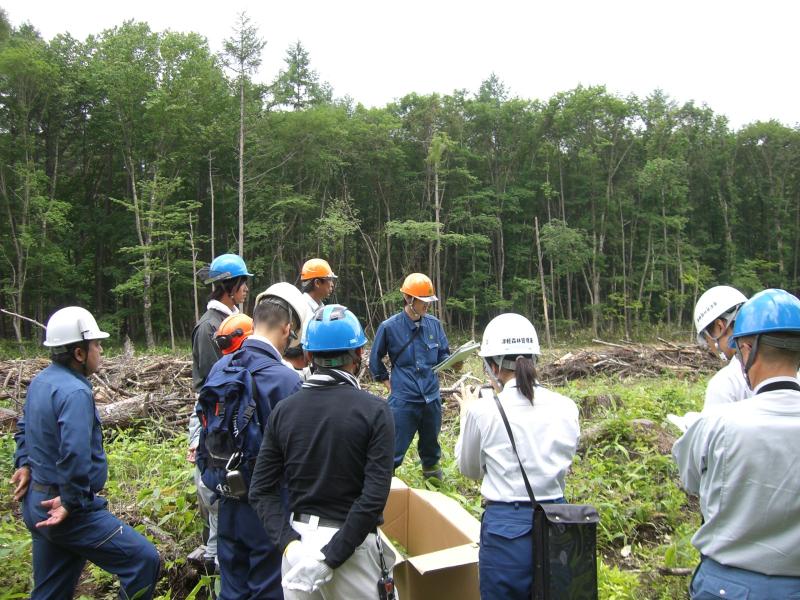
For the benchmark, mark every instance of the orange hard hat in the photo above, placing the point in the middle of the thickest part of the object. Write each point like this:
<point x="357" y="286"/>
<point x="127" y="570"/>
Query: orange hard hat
<point x="316" y="268"/>
<point x="419" y="286"/>
<point x="234" y="330"/>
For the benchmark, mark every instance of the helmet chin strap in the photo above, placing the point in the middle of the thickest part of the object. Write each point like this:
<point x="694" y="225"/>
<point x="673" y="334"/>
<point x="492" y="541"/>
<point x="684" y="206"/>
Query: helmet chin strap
<point x="751" y="358"/>
<point x="412" y="309"/>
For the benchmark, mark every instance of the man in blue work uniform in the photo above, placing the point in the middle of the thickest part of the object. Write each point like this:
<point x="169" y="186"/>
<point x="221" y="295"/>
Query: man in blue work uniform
<point x="61" y="467"/>
<point x="415" y="343"/>
<point x="250" y="565"/>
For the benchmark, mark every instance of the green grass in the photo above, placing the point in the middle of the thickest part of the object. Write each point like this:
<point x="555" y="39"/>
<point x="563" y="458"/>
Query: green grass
<point x="646" y="520"/>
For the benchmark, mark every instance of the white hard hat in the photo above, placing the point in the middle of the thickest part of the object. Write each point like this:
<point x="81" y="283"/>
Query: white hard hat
<point x="70" y="325"/>
<point x="294" y="297"/>
<point x="714" y="303"/>
<point x="509" y="334"/>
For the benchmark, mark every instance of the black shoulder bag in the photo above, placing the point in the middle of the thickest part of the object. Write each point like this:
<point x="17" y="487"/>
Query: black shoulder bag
<point x="564" y="543"/>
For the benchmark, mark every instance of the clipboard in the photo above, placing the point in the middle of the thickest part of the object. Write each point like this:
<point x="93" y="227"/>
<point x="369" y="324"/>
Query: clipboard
<point x="458" y="356"/>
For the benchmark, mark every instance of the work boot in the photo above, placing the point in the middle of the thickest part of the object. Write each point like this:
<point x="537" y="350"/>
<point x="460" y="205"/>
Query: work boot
<point x="433" y="472"/>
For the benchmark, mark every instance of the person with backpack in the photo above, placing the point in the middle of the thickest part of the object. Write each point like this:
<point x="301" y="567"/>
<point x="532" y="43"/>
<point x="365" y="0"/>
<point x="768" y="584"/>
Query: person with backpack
<point x="714" y="318"/>
<point x="227" y="274"/>
<point x="741" y="460"/>
<point x="61" y="469"/>
<point x="415" y="342"/>
<point x="333" y="445"/>
<point x="545" y="428"/>
<point x="239" y="394"/>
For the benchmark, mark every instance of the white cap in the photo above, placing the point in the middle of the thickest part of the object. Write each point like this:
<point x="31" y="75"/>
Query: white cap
<point x="509" y="334"/>
<point x="70" y="325"/>
<point x="714" y="303"/>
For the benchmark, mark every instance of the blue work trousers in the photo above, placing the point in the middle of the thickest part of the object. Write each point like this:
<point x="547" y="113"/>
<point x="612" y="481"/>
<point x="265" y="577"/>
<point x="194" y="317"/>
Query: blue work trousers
<point x="61" y="551"/>
<point x="715" y="581"/>
<point x="410" y="418"/>
<point x="505" y="558"/>
<point x="249" y="564"/>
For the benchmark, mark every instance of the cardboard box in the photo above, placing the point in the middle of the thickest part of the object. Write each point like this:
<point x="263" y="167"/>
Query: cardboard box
<point x="441" y="539"/>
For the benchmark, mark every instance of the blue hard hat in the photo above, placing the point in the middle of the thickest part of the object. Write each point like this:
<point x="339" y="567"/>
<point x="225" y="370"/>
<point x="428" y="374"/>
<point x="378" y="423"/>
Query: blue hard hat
<point x="333" y="328"/>
<point x="227" y="266"/>
<point x="769" y="311"/>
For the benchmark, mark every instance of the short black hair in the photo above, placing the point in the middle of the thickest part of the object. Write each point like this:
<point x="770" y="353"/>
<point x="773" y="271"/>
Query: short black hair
<point x="65" y="355"/>
<point x="274" y="312"/>
<point x="226" y="287"/>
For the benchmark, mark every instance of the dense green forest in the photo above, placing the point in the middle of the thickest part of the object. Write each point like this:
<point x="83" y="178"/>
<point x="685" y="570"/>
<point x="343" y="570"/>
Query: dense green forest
<point x="120" y="175"/>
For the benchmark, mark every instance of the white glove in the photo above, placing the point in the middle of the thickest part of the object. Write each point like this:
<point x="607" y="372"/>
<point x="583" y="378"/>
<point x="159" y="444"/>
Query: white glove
<point x="293" y="553"/>
<point x="308" y="573"/>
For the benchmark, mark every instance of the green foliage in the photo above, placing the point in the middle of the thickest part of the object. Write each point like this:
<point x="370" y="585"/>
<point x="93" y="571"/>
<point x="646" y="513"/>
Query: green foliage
<point x="642" y="202"/>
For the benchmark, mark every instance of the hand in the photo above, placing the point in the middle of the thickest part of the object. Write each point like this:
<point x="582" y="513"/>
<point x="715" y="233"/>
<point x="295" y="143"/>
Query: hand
<point x="57" y="512"/>
<point x="21" y="478"/>
<point x="191" y="455"/>
<point x="293" y="553"/>
<point x="388" y="385"/>
<point x="457" y="366"/>
<point x="309" y="573"/>
<point x="467" y="396"/>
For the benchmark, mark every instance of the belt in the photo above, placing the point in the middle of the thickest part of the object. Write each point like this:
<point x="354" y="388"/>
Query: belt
<point x="51" y="490"/>
<point x="525" y="503"/>
<point x="304" y="518"/>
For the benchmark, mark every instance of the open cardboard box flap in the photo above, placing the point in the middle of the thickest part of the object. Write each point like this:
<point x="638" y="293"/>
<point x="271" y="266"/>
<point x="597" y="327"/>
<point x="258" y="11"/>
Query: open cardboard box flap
<point x="444" y="559"/>
<point x="441" y="542"/>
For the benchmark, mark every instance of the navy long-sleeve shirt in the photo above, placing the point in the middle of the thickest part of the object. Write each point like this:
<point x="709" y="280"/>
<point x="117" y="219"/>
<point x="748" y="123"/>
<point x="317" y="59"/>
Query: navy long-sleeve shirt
<point x="60" y="438"/>
<point x="334" y="447"/>
<point x="412" y="374"/>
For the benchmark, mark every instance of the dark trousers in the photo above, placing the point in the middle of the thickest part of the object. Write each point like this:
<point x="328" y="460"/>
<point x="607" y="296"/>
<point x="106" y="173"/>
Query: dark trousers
<point x="61" y="551"/>
<point x="505" y="558"/>
<point x="249" y="564"/>
<point x="413" y="417"/>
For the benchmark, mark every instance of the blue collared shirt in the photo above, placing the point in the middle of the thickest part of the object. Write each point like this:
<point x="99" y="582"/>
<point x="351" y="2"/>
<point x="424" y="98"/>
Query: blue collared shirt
<point x="59" y="436"/>
<point x="413" y="379"/>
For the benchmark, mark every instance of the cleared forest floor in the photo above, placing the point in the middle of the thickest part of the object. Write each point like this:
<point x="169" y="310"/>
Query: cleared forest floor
<point x="624" y="392"/>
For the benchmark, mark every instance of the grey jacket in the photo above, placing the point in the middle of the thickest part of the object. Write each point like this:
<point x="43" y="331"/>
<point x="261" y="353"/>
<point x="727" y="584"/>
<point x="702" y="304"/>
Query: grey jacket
<point x="204" y="351"/>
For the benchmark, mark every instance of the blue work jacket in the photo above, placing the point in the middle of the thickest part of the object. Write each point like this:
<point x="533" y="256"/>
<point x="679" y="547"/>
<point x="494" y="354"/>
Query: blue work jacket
<point x="272" y="384"/>
<point x="59" y="437"/>
<point x="413" y="379"/>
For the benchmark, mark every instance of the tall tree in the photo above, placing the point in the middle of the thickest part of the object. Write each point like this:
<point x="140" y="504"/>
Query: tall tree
<point x="243" y="53"/>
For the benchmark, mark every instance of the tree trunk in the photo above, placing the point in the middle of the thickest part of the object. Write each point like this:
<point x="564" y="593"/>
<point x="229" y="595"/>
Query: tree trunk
<point x="194" y="270"/>
<point x="241" y="163"/>
<point x="541" y="281"/>
<point x="211" y="189"/>
<point x="144" y="243"/>
<point x="169" y="305"/>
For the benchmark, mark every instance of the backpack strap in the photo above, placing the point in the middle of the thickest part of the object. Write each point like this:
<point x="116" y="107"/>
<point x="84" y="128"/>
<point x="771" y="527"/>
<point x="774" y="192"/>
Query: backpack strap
<point x="407" y="344"/>
<point x="250" y="410"/>
<point x="514" y="448"/>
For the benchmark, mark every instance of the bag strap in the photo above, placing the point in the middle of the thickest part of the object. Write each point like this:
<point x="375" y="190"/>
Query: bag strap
<point x="407" y="344"/>
<point x="514" y="448"/>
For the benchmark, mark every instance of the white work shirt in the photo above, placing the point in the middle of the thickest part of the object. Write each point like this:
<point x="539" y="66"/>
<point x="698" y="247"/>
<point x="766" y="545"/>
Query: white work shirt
<point x="743" y="461"/>
<point x="546" y="434"/>
<point x="727" y="385"/>
<point x="313" y="305"/>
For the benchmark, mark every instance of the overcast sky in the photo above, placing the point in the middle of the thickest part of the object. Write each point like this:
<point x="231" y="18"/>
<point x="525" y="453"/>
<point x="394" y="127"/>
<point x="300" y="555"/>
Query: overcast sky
<point x="738" y="57"/>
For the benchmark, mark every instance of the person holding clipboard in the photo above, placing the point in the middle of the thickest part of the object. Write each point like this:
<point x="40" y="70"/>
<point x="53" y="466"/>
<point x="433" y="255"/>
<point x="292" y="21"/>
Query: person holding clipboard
<point x="415" y="342"/>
